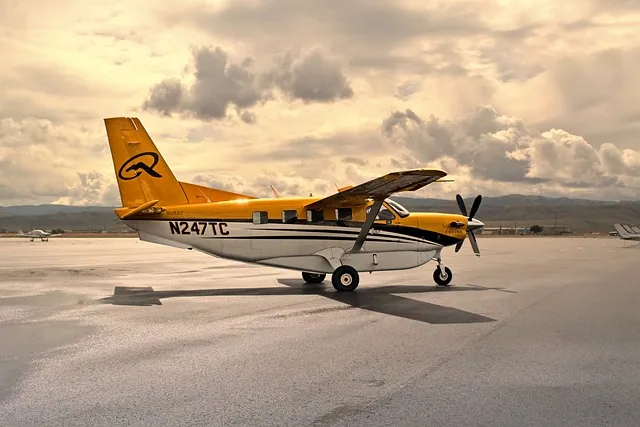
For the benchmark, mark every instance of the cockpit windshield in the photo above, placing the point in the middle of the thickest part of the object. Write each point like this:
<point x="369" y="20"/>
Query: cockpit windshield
<point x="400" y="210"/>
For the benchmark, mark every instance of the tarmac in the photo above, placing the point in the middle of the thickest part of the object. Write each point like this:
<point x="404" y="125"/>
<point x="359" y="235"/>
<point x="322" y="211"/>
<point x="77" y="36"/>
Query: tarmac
<point x="536" y="331"/>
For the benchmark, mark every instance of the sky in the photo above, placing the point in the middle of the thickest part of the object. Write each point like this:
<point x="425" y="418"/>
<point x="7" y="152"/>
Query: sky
<point x="507" y="96"/>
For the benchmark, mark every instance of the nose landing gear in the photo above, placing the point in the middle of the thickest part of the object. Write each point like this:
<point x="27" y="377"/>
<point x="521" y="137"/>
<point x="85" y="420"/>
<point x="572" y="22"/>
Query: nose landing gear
<point x="442" y="275"/>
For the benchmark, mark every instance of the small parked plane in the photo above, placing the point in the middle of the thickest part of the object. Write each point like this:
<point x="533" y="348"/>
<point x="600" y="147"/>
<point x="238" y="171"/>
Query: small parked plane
<point x="36" y="234"/>
<point x="627" y="232"/>
<point x="357" y="229"/>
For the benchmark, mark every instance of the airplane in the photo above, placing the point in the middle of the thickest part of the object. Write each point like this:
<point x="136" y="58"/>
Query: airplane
<point x="358" y="229"/>
<point x="36" y="234"/>
<point x="627" y="232"/>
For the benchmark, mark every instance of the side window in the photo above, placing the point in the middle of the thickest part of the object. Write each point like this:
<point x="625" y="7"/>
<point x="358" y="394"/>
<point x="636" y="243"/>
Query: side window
<point x="315" y="215"/>
<point x="260" y="217"/>
<point x="384" y="214"/>
<point x="344" y="214"/>
<point x="289" y="216"/>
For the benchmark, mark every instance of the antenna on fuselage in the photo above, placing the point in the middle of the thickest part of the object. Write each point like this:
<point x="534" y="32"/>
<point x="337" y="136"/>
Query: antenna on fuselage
<point x="276" y="193"/>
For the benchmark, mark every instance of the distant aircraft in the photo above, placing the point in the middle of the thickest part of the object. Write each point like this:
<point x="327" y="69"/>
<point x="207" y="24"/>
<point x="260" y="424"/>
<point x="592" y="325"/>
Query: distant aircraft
<point x="357" y="229"/>
<point x="627" y="232"/>
<point x="36" y="234"/>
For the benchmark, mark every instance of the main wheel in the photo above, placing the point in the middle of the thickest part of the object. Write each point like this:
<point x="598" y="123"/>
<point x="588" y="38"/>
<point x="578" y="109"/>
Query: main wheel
<point x="313" y="277"/>
<point x="442" y="279"/>
<point x="345" y="278"/>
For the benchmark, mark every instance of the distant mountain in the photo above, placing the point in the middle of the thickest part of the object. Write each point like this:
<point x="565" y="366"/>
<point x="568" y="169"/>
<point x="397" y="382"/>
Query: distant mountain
<point x="581" y="215"/>
<point x="35" y="210"/>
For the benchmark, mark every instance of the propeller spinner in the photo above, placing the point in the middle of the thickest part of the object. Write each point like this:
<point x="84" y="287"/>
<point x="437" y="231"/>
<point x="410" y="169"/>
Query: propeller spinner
<point x="472" y="224"/>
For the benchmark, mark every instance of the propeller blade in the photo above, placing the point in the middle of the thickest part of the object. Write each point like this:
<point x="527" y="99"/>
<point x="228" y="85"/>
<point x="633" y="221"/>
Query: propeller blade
<point x="461" y="205"/>
<point x="475" y="206"/>
<point x="474" y="243"/>
<point x="459" y="245"/>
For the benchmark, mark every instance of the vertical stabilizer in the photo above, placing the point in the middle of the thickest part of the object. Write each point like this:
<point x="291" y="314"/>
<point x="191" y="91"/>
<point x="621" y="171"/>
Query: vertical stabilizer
<point x="141" y="172"/>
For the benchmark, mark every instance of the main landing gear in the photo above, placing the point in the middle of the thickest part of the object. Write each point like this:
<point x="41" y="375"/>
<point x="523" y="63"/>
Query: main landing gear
<point x="344" y="278"/>
<point x="442" y="275"/>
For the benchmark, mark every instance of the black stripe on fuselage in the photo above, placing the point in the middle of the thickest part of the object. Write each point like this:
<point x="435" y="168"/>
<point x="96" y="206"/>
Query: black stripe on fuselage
<point x="343" y="238"/>
<point x="427" y="236"/>
<point x="354" y="232"/>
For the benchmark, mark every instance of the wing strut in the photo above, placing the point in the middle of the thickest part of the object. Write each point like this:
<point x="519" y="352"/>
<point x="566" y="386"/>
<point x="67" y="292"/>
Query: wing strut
<point x="368" y="223"/>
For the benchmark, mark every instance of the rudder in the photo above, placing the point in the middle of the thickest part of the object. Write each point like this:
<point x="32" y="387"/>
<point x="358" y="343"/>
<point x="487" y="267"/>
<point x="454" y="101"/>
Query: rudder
<point x="141" y="171"/>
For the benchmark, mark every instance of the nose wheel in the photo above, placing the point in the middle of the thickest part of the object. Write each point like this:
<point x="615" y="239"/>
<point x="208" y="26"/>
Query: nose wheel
<point x="442" y="275"/>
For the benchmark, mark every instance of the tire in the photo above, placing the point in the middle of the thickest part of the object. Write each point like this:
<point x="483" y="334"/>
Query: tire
<point x="345" y="278"/>
<point x="442" y="281"/>
<point x="313" y="277"/>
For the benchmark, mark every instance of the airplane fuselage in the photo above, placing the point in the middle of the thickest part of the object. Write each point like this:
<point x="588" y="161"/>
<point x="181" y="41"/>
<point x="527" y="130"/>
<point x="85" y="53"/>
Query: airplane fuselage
<point x="280" y="232"/>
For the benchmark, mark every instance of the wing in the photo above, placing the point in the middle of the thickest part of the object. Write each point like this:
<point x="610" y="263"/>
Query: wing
<point x="379" y="188"/>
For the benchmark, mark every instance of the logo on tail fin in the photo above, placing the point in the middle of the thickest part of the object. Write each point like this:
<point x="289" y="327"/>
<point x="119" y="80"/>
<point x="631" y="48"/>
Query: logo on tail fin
<point x="139" y="166"/>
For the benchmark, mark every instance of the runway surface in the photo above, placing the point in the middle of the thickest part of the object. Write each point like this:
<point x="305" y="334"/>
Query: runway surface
<point x="537" y="331"/>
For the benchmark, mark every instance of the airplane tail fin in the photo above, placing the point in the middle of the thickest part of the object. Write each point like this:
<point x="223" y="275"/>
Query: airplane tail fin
<point x="624" y="232"/>
<point x="142" y="174"/>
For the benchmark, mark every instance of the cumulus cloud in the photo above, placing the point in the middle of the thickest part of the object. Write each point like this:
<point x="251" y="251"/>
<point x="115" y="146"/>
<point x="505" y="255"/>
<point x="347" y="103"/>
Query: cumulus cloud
<point x="307" y="75"/>
<point x="500" y="148"/>
<point x="310" y="76"/>
<point x="39" y="160"/>
<point x="217" y="85"/>
<point x="91" y="188"/>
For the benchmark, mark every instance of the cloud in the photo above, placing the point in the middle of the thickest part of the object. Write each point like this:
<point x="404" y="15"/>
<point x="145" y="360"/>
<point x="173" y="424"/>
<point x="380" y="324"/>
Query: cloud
<point x="307" y="75"/>
<point x="92" y="188"/>
<point x="310" y="76"/>
<point x="357" y="27"/>
<point x="217" y="85"/>
<point x="483" y="150"/>
<point x="406" y="89"/>
<point x="500" y="148"/>
<point x="41" y="162"/>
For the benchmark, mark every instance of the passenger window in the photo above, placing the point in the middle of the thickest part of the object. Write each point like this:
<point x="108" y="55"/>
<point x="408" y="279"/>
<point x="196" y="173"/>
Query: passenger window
<point x="260" y="217"/>
<point x="290" y="216"/>
<point x="315" y="215"/>
<point x="344" y="214"/>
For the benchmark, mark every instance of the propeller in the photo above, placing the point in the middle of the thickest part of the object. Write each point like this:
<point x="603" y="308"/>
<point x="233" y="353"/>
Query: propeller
<point x="472" y="224"/>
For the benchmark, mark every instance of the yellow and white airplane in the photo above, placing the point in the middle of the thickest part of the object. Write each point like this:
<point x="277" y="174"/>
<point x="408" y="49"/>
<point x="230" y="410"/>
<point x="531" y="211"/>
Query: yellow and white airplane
<point x="357" y="229"/>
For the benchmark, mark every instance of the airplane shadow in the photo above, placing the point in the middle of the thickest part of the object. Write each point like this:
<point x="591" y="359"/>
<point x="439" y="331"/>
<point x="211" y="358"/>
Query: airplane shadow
<point x="381" y="299"/>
